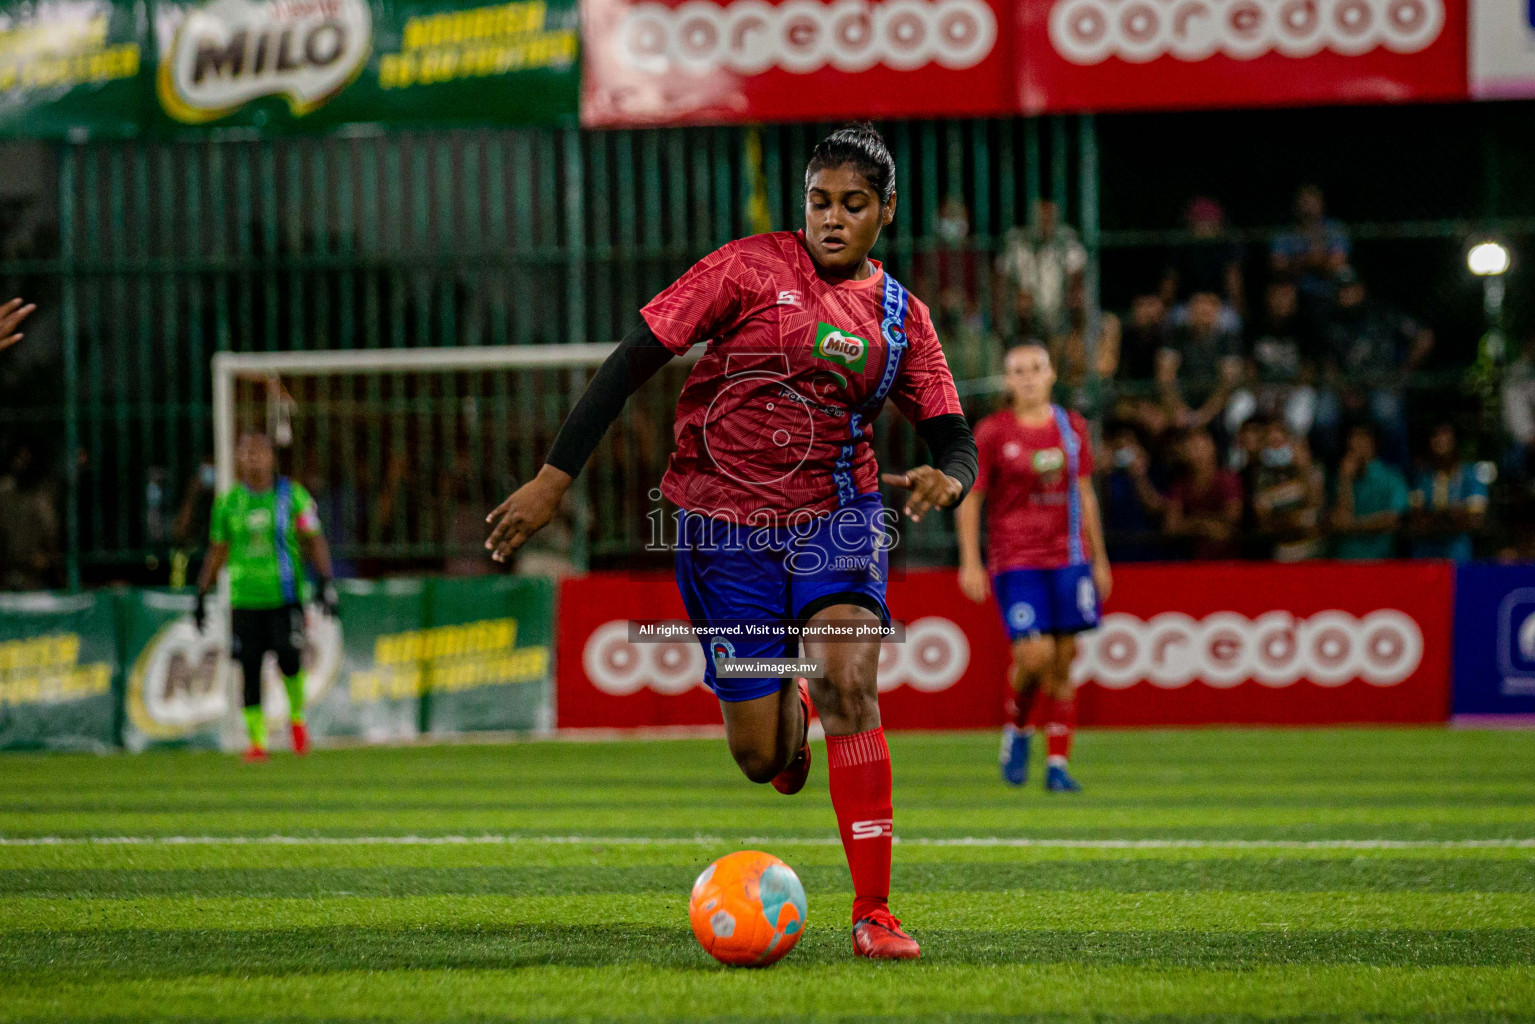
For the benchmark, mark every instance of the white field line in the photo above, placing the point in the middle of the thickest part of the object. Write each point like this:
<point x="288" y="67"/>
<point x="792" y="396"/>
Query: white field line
<point x="978" y="841"/>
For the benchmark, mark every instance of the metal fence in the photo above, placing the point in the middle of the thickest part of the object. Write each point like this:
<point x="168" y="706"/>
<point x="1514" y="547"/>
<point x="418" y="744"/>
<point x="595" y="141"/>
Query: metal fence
<point x="149" y="257"/>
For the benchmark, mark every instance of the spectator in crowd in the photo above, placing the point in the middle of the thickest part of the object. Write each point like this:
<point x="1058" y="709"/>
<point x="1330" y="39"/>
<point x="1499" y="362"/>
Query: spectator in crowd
<point x="189" y="530"/>
<point x="1153" y="427"/>
<point x="1244" y="459"/>
<point x="1041" y="269"/>
<point x="948" y="277"/>
<point x="1204" y="505"/>
<point x="1090" y="343"/>
<point x="1209" y="262"/>
<point x="29" y="527"/>
<point x="1132" y="503"/>
<point x="1203" y="360"/>
<point x="1448" y="499"/>
<point x="1519" y="414"/>
<point x="1282" y="361"/>
<point x="1372" y="349"/>
<point x="1288" y="494"/>
<point x="1132" y="353"/>
<point x="1370" y="502"/>
<point x="1313" y="251"/>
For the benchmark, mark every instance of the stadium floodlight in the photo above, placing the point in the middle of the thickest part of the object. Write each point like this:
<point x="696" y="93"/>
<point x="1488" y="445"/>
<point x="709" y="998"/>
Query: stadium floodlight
<point x="1488" y="259"/>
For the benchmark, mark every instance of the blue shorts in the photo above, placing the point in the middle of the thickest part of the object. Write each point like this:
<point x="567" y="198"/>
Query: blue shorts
<point x="1039" y="601"/>
<point x="778" y="575"/>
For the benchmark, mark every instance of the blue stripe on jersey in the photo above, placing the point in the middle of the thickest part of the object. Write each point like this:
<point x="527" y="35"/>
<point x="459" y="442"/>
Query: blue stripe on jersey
<point x="892" y="327"/>
<point x="280" y="527"/>
<point x="1073" y="451"/>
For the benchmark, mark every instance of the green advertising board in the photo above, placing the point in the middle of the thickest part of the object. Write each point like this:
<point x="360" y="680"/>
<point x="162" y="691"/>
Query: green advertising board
<point x="315" y="65"/>
<point x="182" y="689"/>
<point x="378" y="695"/>
<point x="176" y="687"/>
<point x="58" y="672"/>
<point x="73" y="66"/>
<point x="105" y="68"/>
<point x="487" y="655"/>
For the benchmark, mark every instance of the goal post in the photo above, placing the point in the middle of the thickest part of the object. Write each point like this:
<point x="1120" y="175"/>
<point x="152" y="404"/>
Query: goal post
<point x="230" y="366"/>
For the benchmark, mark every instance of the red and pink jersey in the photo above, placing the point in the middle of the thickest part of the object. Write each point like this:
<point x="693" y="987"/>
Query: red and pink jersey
<point x="777" y="412"/>
<point x="1023" y="473"/>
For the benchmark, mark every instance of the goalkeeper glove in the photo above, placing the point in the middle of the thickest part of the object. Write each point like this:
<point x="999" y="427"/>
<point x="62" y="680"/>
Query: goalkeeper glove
<point x="330" y="602"/>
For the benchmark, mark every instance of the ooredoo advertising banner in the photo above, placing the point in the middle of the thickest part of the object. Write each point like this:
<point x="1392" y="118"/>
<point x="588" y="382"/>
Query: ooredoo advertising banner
<point x="1306" y="644"/>
<point x="937" y="678"/>
<point x="1179" y="54"/>
<point x="727" y="61"/>
<point x="1502" y="49"/>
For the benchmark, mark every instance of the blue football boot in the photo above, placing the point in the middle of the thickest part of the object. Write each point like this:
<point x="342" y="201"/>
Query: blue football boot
<point x="1015" y="755"/>
<point x="1058" y="780"/>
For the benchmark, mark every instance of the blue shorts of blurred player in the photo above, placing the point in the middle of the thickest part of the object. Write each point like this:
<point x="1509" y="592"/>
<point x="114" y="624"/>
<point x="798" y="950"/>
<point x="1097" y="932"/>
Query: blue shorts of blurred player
<point x="1038" y="602"/>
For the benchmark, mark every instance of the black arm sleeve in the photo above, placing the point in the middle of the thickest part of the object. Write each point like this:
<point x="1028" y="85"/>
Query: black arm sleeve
<point x="948" y="437"/>
<point x="633" y="362"/>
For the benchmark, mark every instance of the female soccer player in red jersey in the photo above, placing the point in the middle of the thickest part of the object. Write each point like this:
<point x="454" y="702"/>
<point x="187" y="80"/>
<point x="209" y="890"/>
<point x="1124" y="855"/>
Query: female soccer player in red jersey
<point x="1048" y="563"/>
<point x="779" y="516"/>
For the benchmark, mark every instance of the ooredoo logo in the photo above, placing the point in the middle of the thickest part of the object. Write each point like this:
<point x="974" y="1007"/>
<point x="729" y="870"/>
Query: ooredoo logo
<point x="1275" y="649"/>
<point x="1092" y="31"/>
<point x="933" y="658"/>
<point x="801" y="36"/>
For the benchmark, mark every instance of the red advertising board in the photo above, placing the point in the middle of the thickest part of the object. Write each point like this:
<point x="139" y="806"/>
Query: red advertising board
<point x="731" y="61"/>
<point x="1311" y="644"/>
<point x="1304" y="644"/>
<point x="941" y="677"/>
<point x="1087" y="55"/>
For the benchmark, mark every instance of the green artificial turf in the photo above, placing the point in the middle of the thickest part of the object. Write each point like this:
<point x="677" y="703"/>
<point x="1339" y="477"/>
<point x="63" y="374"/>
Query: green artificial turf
<point x="1373" y="875"/>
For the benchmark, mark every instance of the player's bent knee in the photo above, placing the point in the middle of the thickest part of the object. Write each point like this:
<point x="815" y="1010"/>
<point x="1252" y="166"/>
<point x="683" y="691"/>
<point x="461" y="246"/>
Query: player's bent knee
<point x="848" y="698"/>
<point x="1035" y="655"/>
<point x="756" y="765"/>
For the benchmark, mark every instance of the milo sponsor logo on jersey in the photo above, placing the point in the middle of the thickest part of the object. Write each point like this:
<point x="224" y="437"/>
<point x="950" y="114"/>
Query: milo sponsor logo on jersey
<point x="1049" y="460"/>
<point x="838" y="346"/>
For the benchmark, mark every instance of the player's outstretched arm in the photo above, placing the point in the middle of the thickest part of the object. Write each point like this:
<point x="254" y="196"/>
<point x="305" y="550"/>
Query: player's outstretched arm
<point x="529" y="508"/>
<point x="945" y="482"/>
<point x="11" y="316"/>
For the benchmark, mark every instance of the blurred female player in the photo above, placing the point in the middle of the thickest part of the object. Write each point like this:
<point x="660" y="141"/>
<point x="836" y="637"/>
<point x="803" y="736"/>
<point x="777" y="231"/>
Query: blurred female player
<point x="779" y="516"/>
<point x="1048" y="563"/>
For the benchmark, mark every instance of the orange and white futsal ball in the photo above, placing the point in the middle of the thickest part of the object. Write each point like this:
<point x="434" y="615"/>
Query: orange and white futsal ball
<point x="748" y="909"/>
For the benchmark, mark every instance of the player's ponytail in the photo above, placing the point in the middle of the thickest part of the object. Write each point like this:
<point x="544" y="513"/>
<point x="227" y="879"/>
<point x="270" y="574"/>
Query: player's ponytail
<point x="862" y="146"/>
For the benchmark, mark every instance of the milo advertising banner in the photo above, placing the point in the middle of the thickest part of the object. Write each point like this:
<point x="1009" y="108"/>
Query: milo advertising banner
<point x="181" y="689"/>
<point x="72" y="66"/>
<point x="306" y="65"/>
<point x="378" y="695"/>
<point x="486" y="654"/>
<point x="58" y="667"/>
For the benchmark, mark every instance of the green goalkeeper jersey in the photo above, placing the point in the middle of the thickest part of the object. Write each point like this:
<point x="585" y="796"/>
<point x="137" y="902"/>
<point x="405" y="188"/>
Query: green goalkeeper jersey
<point x="263" y="530"/>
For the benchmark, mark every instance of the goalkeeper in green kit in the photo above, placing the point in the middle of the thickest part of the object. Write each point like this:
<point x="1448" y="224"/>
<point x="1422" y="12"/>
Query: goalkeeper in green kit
<point x="262" y="529"/>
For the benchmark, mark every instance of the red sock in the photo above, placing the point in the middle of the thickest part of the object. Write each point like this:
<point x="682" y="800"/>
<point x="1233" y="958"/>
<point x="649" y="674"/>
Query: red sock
<point x="858" y="770"/>
<point x="1063" y="721"/>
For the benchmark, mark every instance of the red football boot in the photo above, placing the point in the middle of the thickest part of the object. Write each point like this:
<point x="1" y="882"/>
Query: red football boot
<point x="300" y="739"/>
<point x="879" y="937"/>
<point x="255" y="755"/>
<point x="792" y="779"/>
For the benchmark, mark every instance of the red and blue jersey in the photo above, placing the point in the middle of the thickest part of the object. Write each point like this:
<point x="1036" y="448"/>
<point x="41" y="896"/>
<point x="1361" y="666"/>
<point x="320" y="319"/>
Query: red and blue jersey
<point x="1033" y="510"/>
<point x="776" y="417"/>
